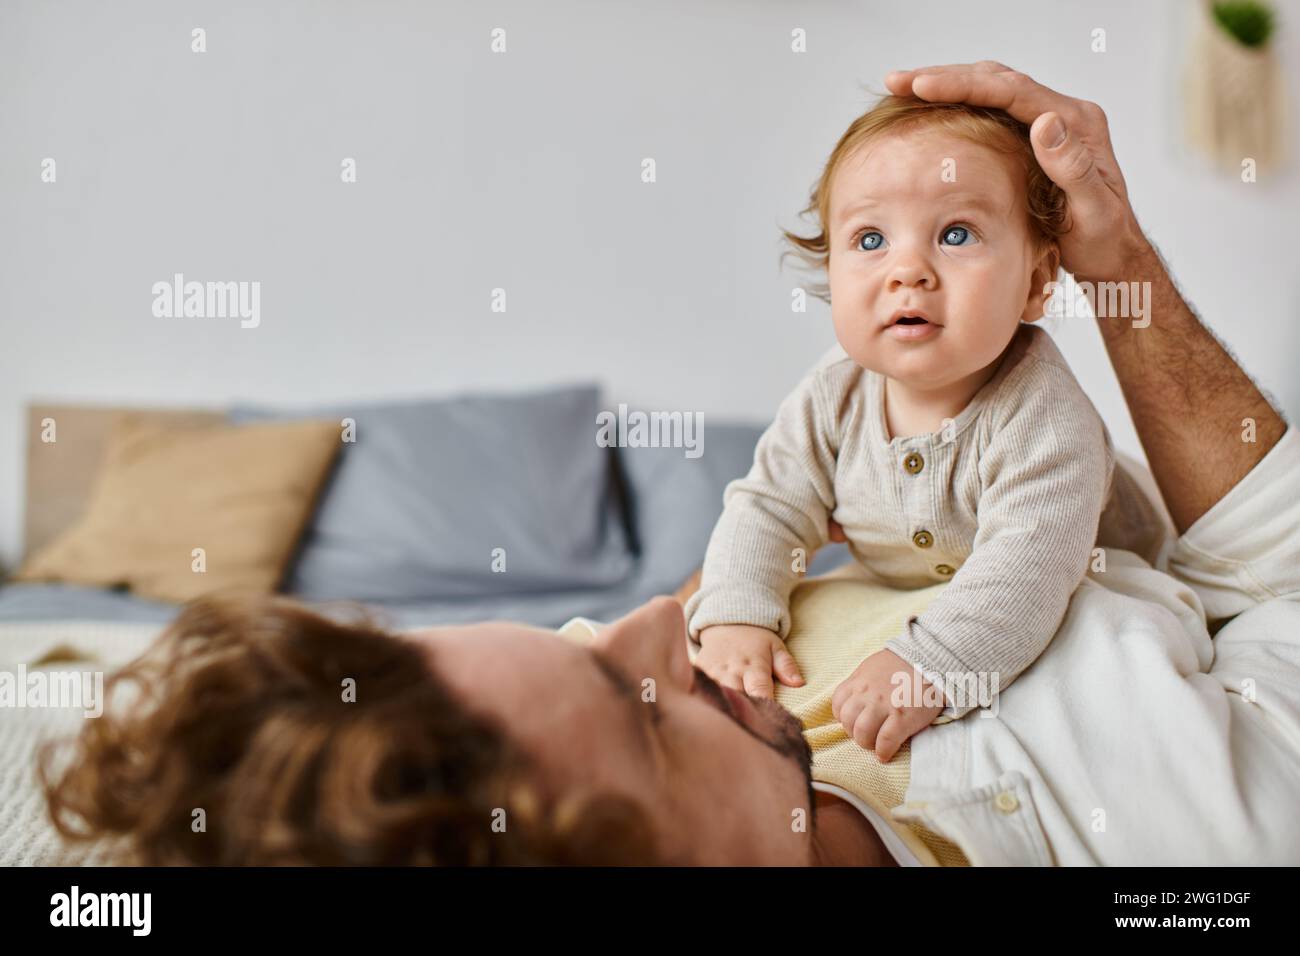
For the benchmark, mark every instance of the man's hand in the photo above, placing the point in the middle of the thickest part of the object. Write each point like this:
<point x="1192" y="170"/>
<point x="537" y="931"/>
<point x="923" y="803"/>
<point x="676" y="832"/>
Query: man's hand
<point x="865" y="707"/>
<point x="744" y="658"/>
<point x="1072" y="142"/>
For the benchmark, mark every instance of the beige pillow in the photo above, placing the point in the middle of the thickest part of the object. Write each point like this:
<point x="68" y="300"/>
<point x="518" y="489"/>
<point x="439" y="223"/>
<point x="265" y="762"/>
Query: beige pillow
<point x="242" y="493"/>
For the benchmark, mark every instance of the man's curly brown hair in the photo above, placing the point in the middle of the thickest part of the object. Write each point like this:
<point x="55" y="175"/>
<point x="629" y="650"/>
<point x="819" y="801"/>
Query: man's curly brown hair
<point x="238" y="709"/>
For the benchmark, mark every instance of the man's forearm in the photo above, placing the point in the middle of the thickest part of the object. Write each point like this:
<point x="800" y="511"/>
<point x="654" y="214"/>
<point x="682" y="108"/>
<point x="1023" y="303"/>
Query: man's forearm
<point x="1188" y="397"/>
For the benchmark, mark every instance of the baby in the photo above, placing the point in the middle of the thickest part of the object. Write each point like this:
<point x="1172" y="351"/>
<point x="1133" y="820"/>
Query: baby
<point x="948" y="438"/>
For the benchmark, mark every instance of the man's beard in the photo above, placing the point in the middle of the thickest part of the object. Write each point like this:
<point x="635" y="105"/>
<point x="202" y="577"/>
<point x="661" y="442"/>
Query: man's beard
<point x="781" y="730"/>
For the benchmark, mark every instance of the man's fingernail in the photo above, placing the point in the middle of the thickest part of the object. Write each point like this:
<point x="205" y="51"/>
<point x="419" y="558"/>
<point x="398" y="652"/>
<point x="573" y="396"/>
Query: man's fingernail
<point x="1053" y="133"/>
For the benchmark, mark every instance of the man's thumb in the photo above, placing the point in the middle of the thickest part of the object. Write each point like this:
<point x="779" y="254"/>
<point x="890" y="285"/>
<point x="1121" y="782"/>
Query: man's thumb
<point x="1065" y="158"/>
<point x="1049" y="131"/>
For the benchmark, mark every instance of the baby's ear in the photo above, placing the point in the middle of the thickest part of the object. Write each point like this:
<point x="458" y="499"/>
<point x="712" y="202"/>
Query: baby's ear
<point x="1042" y="283"/>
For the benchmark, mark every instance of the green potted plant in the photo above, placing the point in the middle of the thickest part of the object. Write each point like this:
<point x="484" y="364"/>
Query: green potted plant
<point x="1235" y="101"/>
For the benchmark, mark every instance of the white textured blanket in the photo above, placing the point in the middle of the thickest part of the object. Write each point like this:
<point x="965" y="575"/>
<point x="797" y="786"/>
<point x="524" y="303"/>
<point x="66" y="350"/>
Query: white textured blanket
<point x="40" y="651"/>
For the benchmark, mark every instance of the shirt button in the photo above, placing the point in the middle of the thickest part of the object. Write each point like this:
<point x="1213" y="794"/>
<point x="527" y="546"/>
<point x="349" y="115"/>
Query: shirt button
<point x="943" y="569"/>
<point x="1006" y="802"/>
<point x="922" y="539"/>
<point x="913" y="463"/>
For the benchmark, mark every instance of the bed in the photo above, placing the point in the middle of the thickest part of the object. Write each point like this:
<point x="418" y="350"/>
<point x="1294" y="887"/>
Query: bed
<point x="663" y="503"/>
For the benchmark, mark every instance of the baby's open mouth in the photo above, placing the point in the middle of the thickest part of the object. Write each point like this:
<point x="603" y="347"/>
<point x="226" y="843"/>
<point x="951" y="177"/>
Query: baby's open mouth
<point x="910" y="316"/>
<point x="910" y="324"/>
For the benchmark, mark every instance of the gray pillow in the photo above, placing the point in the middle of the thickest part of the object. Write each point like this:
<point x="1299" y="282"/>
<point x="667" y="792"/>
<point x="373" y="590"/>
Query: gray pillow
<point x="415" y="507"/>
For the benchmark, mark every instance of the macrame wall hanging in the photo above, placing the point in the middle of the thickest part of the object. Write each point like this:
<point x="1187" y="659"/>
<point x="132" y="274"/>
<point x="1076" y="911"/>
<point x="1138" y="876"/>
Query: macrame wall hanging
<point x="1235" y="94"/>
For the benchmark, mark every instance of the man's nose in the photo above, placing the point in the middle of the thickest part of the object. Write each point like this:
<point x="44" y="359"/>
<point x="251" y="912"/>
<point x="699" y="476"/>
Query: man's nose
<point x="650" y="642"/>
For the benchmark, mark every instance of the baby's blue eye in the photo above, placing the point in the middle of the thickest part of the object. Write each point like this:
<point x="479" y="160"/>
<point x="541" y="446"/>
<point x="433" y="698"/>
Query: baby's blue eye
<point x="960" y="232"/>
<point x="870" y="241"/>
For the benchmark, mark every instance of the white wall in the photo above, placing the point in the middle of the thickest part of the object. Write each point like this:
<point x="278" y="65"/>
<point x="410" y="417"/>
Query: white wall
<point x="522" y="171"/>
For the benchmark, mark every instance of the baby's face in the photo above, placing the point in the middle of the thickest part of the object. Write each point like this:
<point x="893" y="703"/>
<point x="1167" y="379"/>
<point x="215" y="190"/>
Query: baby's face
<point x="931" y="223"/>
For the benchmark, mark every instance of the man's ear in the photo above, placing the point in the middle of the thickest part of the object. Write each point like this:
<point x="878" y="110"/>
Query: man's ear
<point x="1042" y="282"/>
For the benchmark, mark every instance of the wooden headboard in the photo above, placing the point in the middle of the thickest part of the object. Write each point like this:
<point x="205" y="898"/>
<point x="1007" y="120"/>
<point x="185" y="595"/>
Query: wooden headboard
<point x="60" y="474"/>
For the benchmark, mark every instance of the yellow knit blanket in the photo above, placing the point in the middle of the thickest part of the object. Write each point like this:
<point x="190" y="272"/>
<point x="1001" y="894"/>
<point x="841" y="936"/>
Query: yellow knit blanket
<point x="837" y="621"/>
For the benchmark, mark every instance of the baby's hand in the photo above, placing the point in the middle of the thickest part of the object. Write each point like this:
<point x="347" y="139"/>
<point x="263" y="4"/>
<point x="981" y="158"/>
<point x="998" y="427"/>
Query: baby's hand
<point x="744" y="658"/>
<point x="864" y="704"/>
